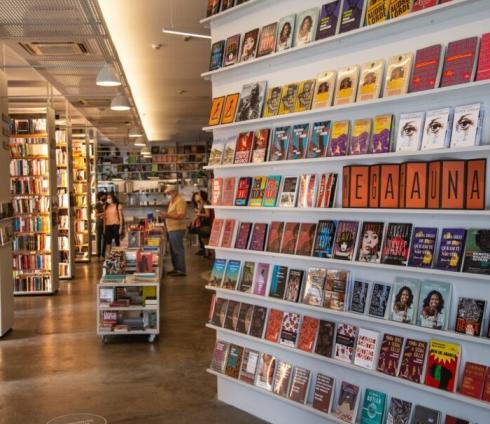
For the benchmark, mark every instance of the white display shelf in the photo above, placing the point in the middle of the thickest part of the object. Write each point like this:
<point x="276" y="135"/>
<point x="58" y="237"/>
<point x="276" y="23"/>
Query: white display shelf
<point x="305" y="407"/>
<point x="356" y="264"/>
<point x="123" y="333"/>
<point x="128" y="308"/>
<point x="376" y="158"/>
<point x="358" y="318"/>
<point x="30" y="293"/>
<point x="372" y="373"/>
<point x="358" y="37"/>
<point x="116" y="284"/>
<point x="419" y="99"/>
<point x="232" y="12"/>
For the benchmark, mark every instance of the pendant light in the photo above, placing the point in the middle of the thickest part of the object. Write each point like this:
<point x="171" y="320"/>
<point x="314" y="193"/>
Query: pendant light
<point x="139" y="142"/>
<point x="107" y="77"/>
<point x="135" y="132"/>
<point x="145" y="151"/>
<point x="120" y="103"/>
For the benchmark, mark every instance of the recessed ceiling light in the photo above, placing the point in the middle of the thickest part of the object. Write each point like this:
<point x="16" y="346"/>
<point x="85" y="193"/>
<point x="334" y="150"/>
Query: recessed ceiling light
<point x="120" y="103"/>
<point x="107" y="77"/>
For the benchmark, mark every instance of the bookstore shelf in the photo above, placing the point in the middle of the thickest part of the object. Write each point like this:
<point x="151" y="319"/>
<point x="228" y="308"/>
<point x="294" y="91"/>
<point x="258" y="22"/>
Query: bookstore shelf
<point x="305" y="407"/>
<point x="461" y="92"/>
<point x="128" y="308"/>
<point x="355" y="264"/>
<point x="372" y="373"/>
<point x="124" y="333"/>
<point x="33" y="292"/>
<point x="359" y="318"/>
<point x="232" y="12"/>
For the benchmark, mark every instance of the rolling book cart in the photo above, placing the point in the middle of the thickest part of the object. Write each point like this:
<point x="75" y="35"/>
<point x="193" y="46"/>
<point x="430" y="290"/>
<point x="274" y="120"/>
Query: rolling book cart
<point x="440" y="24"/>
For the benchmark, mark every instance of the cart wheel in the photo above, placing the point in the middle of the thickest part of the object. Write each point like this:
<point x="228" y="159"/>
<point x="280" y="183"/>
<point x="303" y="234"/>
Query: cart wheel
<point x="151" y="338"/>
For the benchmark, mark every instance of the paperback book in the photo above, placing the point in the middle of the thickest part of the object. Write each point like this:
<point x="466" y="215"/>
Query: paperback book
<point x="245" y="318"/>
<point x="423" y="247"/>
<point x="259" y="234"/>
<point x="370" y="242"/>
<point x="324" y="240"/>
<point x="373" y="409"/>
<point x="261" y="279"/>
<point x="467" y="125"/>
<point x="216" y="154"/>
<point x="257" y="191"/>
<point x="345" y="341"/>
<point x="232" y="313"/>
<point x="220" y="356"/>
<point x="251" y="101"/>
<point x="278" y="281"/>
<point x="290" y="237"/>
<point x="319" y="139"/>
<point x="274" y="323"/>
<point x="410" y="129"/>
<point x="306" y="24"/>
<point x="346" y="86"/>
<point x="243" y="191"/>
<point x="399" y="411"/>
<point x="405" y="300"/>
<point x="443" y="365"/>
<point x="367" y="349"/>
<point x="427" y="68"/>
<point x="280" y="144"/>
<point x="398" y="74"/>
<point x="477" y="252"/>
<point x="229" y="152"/>
<point x="348" y="402"/>
<point x="307" y="191"/>
<point x="272" y="102"/>
<point x="397" y="244"/>
<point x="473" y="380"/>
<point x="282" y="379"/>
<point x="258" y="321"/>
<point x="339" y="140"/>
<point x="413" y="360"/>
<point x="325" y="88"/>
<point x="469" y="316"/>
<point x="307" y="334"/>
<point x="300" y="385"/>
<point x="306" y="91"/>
<point x="380" y="300"/>
<point x="323" y="393"/>
<point x="219" y="313"/>
<point x="434" y="305"/>
<point x="228" y="191"/>
<point x="260" y="145"/>
<point x="234" y="361"/>
<point x="382" y="129"/>
<point x="390" y="354"/>
<point x="352" y="15"/>
<point x="289" y="329"/>
<point x="460" y="64"/>
<point x="265" y="371"/>
<point x="288" y="98"/>
<point x="361" y="134"/>
<point x="299" y="141"/>
<point x="267" y="40"/>
<point x="306" y="238"/>
<point x="329" y="18"/>
<point x="345" y="240"/>
<point x="228" y="232"/>
<point x="217" y="272"/>
<point x="271" y="191"/>
<point x="275" y="236"/>
<point x="437" y="129"/>
<point x="248" y="367"/>
<point x="451" y="248"/>
<point x="359" y="295"/>
<point x="243" y="235"/>
<point x="294" y="285"/>
<point x="336" y="290"/>
<point x="289" y="192"/>
<point x="371" y="80"/>
<point x="324" y="345"/>
<point x="231" y="275"/>
<point x="315" y="282"/>
<point x="327" y="189"/>
<point x="243" y="149"/>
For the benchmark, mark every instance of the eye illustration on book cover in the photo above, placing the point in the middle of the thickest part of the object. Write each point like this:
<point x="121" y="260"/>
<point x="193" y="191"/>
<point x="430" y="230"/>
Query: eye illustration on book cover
<point x="466" y="125"/>
<point x="251" y="101"/>
<point x="410" y="129"/>
<point x="436" y="129"/>
<point x="370" y="242"/>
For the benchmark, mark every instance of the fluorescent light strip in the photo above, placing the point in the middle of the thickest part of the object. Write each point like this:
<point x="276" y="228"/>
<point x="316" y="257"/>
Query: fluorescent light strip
<point x="186" y="34"/>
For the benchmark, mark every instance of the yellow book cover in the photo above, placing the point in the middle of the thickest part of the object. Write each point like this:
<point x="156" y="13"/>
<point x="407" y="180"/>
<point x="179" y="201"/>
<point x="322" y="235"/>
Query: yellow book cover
<point x="443" y="365"/>
<point x="371" y="80"/>
<point x="149" y="291"/>
<point x="377" y="11"/>
<point x="325" y="87"/>
<point x="398" y="75"/>
<point x="272" y="102"/>
<point x="288" y="98"/>
<point x="347" y="80"/>
<point x="400" y="7"/>
<point x="305" y="95"/>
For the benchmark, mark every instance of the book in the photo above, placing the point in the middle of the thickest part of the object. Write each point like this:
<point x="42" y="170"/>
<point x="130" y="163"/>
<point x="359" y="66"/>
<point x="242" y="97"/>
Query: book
<point x="251" y="101"/>
<point x="380" y="300"/>
<point x="324" y="239"/>
<point x="345" y="340"/>
<point x="346" y="86"/>
<point x="450" y="419"/>
<point x="400" y="7"/>
<point x="249" y="45"/>
<point x="307" y="333"/>
<point x="217" y="272"/>
<point x="352" y="16"/>
<point x="234" y="361"/>
<point x="228" y="191"/>
<point x="231" y="275"/>
<point x="469" y="316"/>
<point x="289" y="192"/>
<point x="460" y="63"/>
<point x="245" y="315"/>
<point x="367" y="349"/>
<point x="451" y="248"/>
<point x="216" y="110"/>
<point x="390" y="354"/>
<point x="345" y="240"/>
<point x="423" y="247"/>
<point x="219" y="312"/>
<point x="483" y="72"/>
<point x="339" y="140"/>
<point x="335" y="290"/>
<point x="216" y="230"/>
<point x="404" y="301"/>
<point x="274" y="239"/>
<point x="427" y="68"/>
<point x="413" y="360"/>
<point x="243" y="235"/>
<point x="396" y="244"/>
<point x="323" y="393"/>
<point x="229" y="109"/>
<point x="289" y="329"/>
<point x="370" y="242"/>
<point x="228" y="232"/>
<point x="288" y="98"/>
<point x="267" y="40"/>
<point x="278" y="281"/>
<point x="243" y="191"/>
<point x="398" y="75"/>
<point x="477" y="252"/>
<point x="265" y="371"/>
<point x="437" y="129"/>
<point x="282" y="379"/>
<point x="307" y="191"/>
<point x="373" y="408"/>
<point x="467" y="125"/>
<point x="274" y="323"/>
<point x="232" y="50"/>
<point x="313" y="291"/>
<point x="216" y="154"/>
<point x="290" y="237"/>
<point x="306" y="23"/>
<point x="260" y="145"/>
<point x="306" y="91"/>
<point x="300" y="385"/>
<point x="486" y="389"/>
<point x="229" y="152"/>
<point x="325" y="339"/>
<point x="213" y="7"/>
<point x="399" y="411"/>
<point x="294" y="285"/>
<point x="257" y="191"/>
<point x="325" y="89"/>
<point x="348" y="402"/>
<point x="280" y="144"/>
<point x="327" y="189"/>
<point x="220" y="355"/>
<point x="227" y="4"/>
<point x="358" y="298"/>
<point x="319" y="140"/>
<point x="258" y="237"/>
<point x="328" y="21"/>
<point x="272" y="101"/>
<point x="299" y="142"/>
<point x="443" y="365"/>
<point x="381" y="137"/>
<point x="258" y="321"/>
<point x="285" y="32"/>
<point x="247" y="277"/>
<point x="306" y="238"/>
<point x="377" y="11"/>
<point x="434" y="305"/>
<point x="410" y="129"/>
<point x="370" y="80"/>
<point x="473" y="380"/>
<point x="216" y="191"/>
<point x="261" y="279"/>
<point x="248" y="367"/>
<point x="243" y="149"/>
<point x="361" y="134"/>
<point x="423" y="4"/>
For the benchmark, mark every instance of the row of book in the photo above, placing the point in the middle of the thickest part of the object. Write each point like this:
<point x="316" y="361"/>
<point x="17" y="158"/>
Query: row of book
<point x="6" y="210"/>
<point x="399" y="244"/>
<point x="32" y="284"/>
<point x="128" y="296"/>
<point x="64" y="200"/>
<point x="22" y="147"/>
<point x="23" y="262"/>
<point x="25" y="224"/>
<point x="30" y="205"/>
<point x="62" y="178"/>
<point x="29" y="167"/>
<point x="121" y="261"/>
<point x="63" y="243"/>
<point x="6" y="233"/>
<point x="28" y="126"/>
<point x="127" y="321"/>
<point x="33" y="242"/>
<point x="283" y="379"/>
<point x="351" y="84"/>
<point x="425" y="303"/>
<point x="216" y="6"/>
<point x="61" y="158"/>
<point x="29" y="185"/>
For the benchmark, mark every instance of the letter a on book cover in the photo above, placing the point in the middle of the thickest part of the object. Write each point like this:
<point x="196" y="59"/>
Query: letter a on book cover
<point x="475" y="183"/>
<point x="390" y="185"/>
<point x="416" y="185"/>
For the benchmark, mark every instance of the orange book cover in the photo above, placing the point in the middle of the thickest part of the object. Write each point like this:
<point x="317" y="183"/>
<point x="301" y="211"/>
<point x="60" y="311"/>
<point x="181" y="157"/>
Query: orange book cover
<point x="345" y="186"/>
<point x="473" y="380"/>
<point x="274" y="324"/>
<point x="374" y="185"/>
<point x="476" y="170"/>
<point x="307" y="333"/>
<point x="359" y="186"/>
<point x="453" y="184"/>
<point x="434" y="185"/>
<point x="486" y="390"/>
<point x="216" y="110"/>
<point x="390" y="186"/>
<point x="416" y="185"/>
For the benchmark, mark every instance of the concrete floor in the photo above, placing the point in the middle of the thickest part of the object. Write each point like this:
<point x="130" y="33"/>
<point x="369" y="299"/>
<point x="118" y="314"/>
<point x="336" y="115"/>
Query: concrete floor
<point x="53" y="363"/>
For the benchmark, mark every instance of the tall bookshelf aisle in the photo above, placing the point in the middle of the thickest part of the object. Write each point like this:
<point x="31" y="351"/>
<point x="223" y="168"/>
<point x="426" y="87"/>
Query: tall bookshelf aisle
<point x="352" y="272"/>
<point x="92" y="155"/>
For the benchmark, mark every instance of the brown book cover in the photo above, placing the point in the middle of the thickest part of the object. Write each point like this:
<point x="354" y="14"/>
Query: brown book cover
<point x="219" y="313"/>
<point x="231" y="320"/>
<point x="275" y="236"/>
<point x="290" y="237"/>
<point x="416" y="185"/>
<point x="486" y="390"/>
<point x="234" y="361"/>
<point x="215" y="237"/>
<point x="324" y="392"/>
<point x="346" y="187"/>
<point x="476" y="183"/>
<point x="434" y="185"/>
<point x="307" y="333"/>
<point x="389" y="354"/>
<point x="453" y="184"/>
<point x="300" y="385"/>
<point x="306" y="239"/>
<point x="413" y="360"/>
<point x="390" y="186"/>
<point x="473" y="380"/>
<point x="274" y="324"/>
<point x="374" y="185"/>
<point x="325" y="340"/>
<point x="359" y="186"/>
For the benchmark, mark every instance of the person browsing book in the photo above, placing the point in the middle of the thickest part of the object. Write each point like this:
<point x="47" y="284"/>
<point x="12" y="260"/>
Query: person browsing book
<point x="99" y="223"/>
<point x="113" y="221"/>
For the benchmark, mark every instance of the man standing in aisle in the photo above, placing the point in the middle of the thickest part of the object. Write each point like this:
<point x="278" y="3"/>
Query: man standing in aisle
<point x="175" y="220"/>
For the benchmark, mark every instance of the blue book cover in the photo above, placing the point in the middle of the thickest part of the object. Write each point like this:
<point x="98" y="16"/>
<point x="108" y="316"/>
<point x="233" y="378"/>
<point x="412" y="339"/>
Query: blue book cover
<point x="217" y="272"/>
<point x="299" y="141"/>
<point x="352" y="15"/>
<point x="423" y="247"/>
<point x="325" y="233"/>
<point x="278" y="281"/>
<point x="329" y="17"/>
<point x="374" y="407"/>
<point x="280" y="144"/>
<point x="216" y="60"/>
<point x="359" y="296"/>
<point x="231" y="275"/>
<point x="320" y="136"/>
<point x="451" y="249"/>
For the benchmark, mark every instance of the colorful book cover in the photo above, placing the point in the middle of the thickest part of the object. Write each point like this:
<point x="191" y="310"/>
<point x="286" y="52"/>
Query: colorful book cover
<point x="243" y="235"/>
<point x="261" y="279"/>
<point x="232" y="50"/>
<point x="345" y="240"/>
<point x="469" y="316"/>
<point x="248" y="368"/>
<point x="300" y="385"/>
<point x="346" y="86"/>
<point x="234" y="361"/>
<point x="243" y="191"/>
<point x="434" y="305"/>
<point x="405" y="300"/>
<point x="382" y="129"/>
<point x="451" y="419"/>
<point x="323" y="393"/>
<point x="289" y="329"/>
<point x="251" y="101"/>
<point x="294" y="285"/>
<point x="442" y="365"/>
<point x="423" y="4"/>
<point x="307" y="333"/>
<point x="361" y="133"/>
<point x="274" y="323"/>
<point x="373" y="409"/>
<point x="215" y="237"/>
<point x="398" y="75"/>
<point x="483" y="72"/>
<point x="377" y="11"/>
<point x="220" y="355"/>
<point x="275" y="236"/>
<point x="219" y="313"/>
<point x="231" y="275"/>
<point x="306" y="238"/>
<point x="390" y="354"/>
<point x="282" y="379"/>
<point x="280" y="144"/>
<point x="348" y="402"/>
<point x="228" y="232"/>
<point x="327" y="189"/>
<point x="228" y="191"/>
<point x="358" y="298"/>
<point x="423" y="247"/>
<point x="451" y="248"/>
<point x="413" y="360"/>
<point x="426" y="69"/>
<point x="278" y="281"/>
<point x="477" y="252"/>
<point x="267" y="40"/>
<point x="329" y="18"/>
<point x="437" y="129"/>
<point x="370" y="242"/>
<point x="216" y="191"/>
<point x="315" y="282"/>
<point x="335" y="289"/>
<point x="265" y="371"/>
<point x="339" y="142"/>
<point x="473" y="380"/>
<point x="410" y="130"/>
<point x="258" y="321"/>
<point x="243" y="150"/>
<point x="324" y="91"/>
<point x="229" y="152"/>
<point x="459" y="65"/>
<point x="306" y="91"/>
<point x="260" y="145"/>
<point x="397" y="244"/>
<point x="272" y="102"/>
<point x="271" y="191"/>
<point x="247" y="277"/>
<point x="399" y="411"/>
<point x="290" y="237"/>
<point x="352" y="15"/>
<point x="320" y="136"/>
<point x="366" y="349"/>
<point x="400" y="8"/>
<point x="217" y="272"/>
<point x="216" y="154"/>
<point x="289" y="192"/>
<point x="288" y="98"/>
<point x="216" y="60"/>
<point x="345" y="341"/>
<point x="229" y="109"/>
<point x="307" y="191"/>
<point x="324" y="240"/>
<point x="216" y="110"/>
<point x="245" y="315"/>
<point x="380" y="298"/>
<point x="467" y="125"/>
<point x="299" y="141"/>
<point x="371" y="80"/>
<point x="257" y="191"/>
<point x="259" y="234"/>
<point x="306" y="23"/>
<point x="325" y="340"/>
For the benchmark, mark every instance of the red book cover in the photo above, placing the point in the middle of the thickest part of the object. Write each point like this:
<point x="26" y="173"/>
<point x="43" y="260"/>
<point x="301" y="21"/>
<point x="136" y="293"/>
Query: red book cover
<point x="259" y="234"/>
<point x="443" y="365"/>
<point x="243" y="235"/>
<point x="425" y="75"/>
<point x="271" y="191"/>
<point x="423" y="4"/>
<point x="306" y="239"/>
<point x="274" y="324"/>
<point x="483" y="72"/>
<point x="275" y="236"/>
<point x="473" y="380"/>
<point x="326" y="190"/>
<point x="389" y="354"/>
<point x="228" y="191"/>
<point x="243" y="191"/>
<point x="459" y="66"/>
<point x="216" y="191"/>
<point x="228" y="231"/>
<point x="486" y="390"/>
<point x="215" y="237"/>
<point x="260" y="145"/>
<point x="307" y="333"/>
<point x="413" y="359"/>
<point x="290" y="237"/>
<point x="144" y="261"/>
<point x="243" y="151"/>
